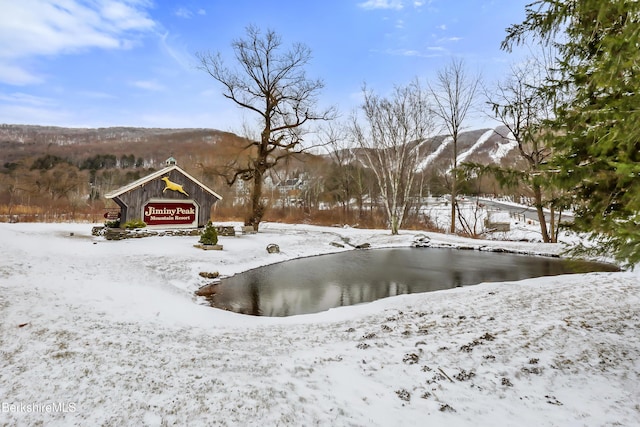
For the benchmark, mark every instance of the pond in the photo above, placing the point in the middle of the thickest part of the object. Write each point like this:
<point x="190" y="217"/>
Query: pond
<point x="314" y="284"/>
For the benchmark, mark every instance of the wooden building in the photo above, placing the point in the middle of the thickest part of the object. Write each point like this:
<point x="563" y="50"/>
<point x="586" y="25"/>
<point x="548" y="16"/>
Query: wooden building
<point x="168" y="198"/>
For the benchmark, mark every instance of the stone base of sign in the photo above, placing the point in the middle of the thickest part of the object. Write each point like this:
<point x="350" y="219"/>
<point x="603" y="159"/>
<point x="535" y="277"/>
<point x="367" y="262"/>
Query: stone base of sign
<point x="248" y="229"/>
<point x="208" y="247"/>
<point x="224" y="230"/>
<point x="121" y="234"/>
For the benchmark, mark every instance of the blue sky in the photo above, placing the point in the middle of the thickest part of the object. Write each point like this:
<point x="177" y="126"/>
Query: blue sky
<point x="98" y="63"/>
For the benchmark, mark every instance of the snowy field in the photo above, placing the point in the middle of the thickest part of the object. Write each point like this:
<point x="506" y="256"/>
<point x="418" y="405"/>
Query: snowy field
<point x="96" y="332"/>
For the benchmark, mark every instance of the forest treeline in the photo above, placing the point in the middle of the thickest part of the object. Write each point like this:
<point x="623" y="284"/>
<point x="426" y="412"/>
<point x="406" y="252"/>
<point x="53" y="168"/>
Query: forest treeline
<point x="324" y="188"/>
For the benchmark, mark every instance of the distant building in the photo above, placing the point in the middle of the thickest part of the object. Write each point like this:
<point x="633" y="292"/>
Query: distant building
<point x="291" y="191"/>
<point x="288" y="185"/>
<point x="498" y="221"/>
<point x="168" y="198"/>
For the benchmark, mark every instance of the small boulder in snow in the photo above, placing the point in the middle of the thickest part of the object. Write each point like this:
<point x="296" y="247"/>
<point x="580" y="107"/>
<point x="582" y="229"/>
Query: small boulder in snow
<point x="421" y="241"/>
<point x="209" y="275"/>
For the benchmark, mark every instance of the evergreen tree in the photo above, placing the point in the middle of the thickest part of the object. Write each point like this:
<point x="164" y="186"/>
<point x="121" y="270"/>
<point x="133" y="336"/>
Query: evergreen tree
<point x="596" y="132"/>
<point x="209" y="235"/>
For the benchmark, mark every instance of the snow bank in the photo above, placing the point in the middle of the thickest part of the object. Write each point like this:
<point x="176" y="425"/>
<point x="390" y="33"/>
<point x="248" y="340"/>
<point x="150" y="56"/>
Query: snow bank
<point x="94" y="332"/>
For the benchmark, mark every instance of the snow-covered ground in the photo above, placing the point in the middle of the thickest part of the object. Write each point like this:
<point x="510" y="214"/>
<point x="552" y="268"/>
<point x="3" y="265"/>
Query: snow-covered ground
<point x="96" y="332"/>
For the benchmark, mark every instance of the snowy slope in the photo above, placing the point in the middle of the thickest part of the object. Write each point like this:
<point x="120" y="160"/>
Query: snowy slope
<point x="430" y="158"/>
<point x="488" y="147"/>
<point x="483" y="138"/>
<point x="503" y="148"/>
<point x="113" y="331"/>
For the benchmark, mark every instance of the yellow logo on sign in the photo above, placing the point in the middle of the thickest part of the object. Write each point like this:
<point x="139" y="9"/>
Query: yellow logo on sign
<point x="168" y="185"/>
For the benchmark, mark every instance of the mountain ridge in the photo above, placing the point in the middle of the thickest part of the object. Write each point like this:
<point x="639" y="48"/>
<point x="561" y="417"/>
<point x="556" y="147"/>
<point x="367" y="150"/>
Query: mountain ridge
<point x="18" y="141"/>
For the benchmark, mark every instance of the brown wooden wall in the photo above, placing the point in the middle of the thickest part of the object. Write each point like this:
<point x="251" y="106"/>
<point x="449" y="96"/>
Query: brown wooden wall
<point x="131" y="202"/>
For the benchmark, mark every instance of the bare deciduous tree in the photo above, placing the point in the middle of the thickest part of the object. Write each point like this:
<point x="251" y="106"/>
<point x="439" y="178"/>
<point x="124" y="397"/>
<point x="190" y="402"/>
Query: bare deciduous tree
<point x="339" y="179"/>
<point x="271" y="83"/>
<point x="518" y="105"/>
<point x="347" y="179"/>
<point x="454" y="94"/>
<point x="390" y="134"/>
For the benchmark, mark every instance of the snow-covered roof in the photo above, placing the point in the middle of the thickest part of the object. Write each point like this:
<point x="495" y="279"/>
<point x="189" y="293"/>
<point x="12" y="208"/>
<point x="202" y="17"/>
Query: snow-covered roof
<point x="157" y="174"/>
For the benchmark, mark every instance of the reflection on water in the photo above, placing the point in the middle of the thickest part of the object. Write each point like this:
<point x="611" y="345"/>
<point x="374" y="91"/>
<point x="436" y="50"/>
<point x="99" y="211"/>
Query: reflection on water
<point x="314" y="284"/>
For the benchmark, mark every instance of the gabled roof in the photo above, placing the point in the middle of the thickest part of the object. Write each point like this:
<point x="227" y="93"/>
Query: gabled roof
<point x="290" y="182"/>
<point x="140" y="182"/>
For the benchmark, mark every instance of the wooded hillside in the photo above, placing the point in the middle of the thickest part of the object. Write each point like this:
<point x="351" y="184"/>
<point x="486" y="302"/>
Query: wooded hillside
<point x="52" y="173"/>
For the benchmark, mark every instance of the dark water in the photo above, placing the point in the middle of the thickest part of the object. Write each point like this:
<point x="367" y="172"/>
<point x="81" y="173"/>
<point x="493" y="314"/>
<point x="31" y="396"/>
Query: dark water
<point x="315" y="284"/>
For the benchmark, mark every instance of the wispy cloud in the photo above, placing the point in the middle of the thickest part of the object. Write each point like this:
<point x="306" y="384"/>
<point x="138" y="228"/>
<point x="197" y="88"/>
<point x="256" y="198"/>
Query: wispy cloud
<point x="450" y="39"/>
<point x="391" y="4"/>
<point x="123" y="15"/>
<point x="19" y="107"/>
<point x="31" y="28"/>
<point x="209" y="93"/>
<point x="176" y="53"/>
<point x="381" y="4"/>
<point x="183" y="12"/>
<point x="96" y="95"/>
<point x="430" y="52"/>
<point x="44" y="115"/>
<point x="18" y="76"/>
<point x="406" y="52"/>
<point x="150" y="85"/>
<point x="25" y="99"/>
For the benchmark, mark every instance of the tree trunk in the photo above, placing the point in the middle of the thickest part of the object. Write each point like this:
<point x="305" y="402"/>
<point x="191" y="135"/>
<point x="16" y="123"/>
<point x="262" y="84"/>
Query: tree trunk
<point x="557" y="229"/>
<point x="553" y="225"/>
<point x="537" y="194"/>
<point x="257" y="207"/>
<point x="454" y="182"/>
<point x="395" y="224"/>
<point x="453" y="205"/>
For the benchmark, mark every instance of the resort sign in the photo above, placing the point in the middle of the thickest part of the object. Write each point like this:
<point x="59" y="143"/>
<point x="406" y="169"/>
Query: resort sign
<point x="168" y="198"/>
<point x="171" y="213"/>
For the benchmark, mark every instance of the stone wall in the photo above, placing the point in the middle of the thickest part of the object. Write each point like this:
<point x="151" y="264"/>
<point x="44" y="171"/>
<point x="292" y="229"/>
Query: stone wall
<point x="120" y="234"/>
<point x="224" y="230"/>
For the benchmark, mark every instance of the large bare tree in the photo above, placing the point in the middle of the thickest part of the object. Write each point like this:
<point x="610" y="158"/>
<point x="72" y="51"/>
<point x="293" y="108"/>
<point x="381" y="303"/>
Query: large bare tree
<point x="269" y="82"/>
<point x="517" y="104"/>
<point x="454" y="93"/>
<point x="390" y="135"/>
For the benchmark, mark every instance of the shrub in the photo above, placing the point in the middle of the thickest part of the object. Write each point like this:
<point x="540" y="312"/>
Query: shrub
<point x="209" y="235"/>
<point x="112" y="223"/>
<point x="135" y="223"/>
